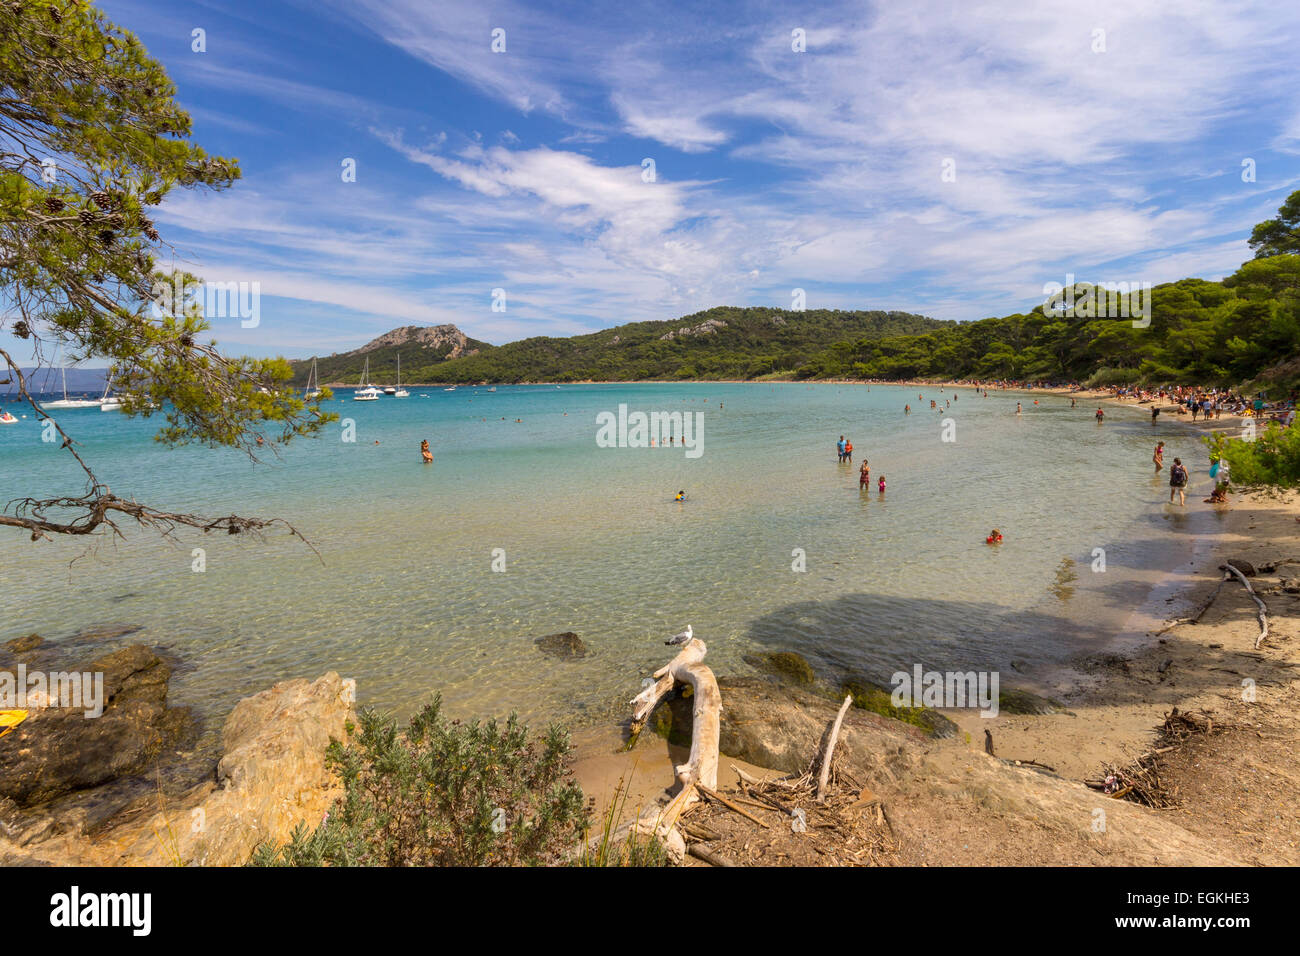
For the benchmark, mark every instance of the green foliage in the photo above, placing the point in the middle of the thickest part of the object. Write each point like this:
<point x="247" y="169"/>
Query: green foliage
<point x="443" y="794"/>
<point x="78" y="246"/>
<point x="752" y="342"/>
<point x="1281" y="234"/>
<point x="1271" y="458"/>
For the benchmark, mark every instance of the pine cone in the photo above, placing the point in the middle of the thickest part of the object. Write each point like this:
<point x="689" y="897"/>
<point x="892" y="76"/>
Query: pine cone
<point x="87" y="217"/>
<point x="151" y="232"/>
<point x="106" y="236"/>
<point x="117" y="220"/>
<point x="21" y="329"/>
<point x="54" y="203"/>
<point x="102" y="199"/>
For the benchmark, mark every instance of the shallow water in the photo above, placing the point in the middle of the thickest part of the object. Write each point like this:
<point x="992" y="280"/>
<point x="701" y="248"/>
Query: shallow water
<point x="403" y="597"/>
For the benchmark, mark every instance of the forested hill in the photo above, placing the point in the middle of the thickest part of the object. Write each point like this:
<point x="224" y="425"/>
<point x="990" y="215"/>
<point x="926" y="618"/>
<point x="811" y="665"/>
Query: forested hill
<point x="724" y="342"/>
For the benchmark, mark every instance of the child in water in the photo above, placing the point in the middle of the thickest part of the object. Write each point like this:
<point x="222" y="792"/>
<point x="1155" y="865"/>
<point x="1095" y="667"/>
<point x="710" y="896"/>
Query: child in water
<point x="995" y="537"/>
<point x="681" y="496"/>
<point x="882" y="484"/>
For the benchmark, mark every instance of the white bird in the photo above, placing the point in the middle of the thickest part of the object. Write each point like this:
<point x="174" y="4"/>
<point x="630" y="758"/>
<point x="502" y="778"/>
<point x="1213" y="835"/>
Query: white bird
<point x="681" y="638"/>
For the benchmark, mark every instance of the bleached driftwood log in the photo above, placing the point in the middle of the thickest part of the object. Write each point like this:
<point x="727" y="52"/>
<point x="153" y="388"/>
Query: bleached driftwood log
<point x="701" y="766"/>
<point x="1262" y="608"/>
<point x="825" y="775"/>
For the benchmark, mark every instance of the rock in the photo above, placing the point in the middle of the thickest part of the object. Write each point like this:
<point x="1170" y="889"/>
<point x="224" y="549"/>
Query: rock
<point x="271" y="778"/>
<point x="105" y="632"/>
<point x="781" y="727"/>
<point x="878" y="700"/>
<point x="785" y="666"/>
<point x="1014" y="700"/>
<point x="1245" y="567"/>
<point x="566" y="646"/>
<point x="21" y="645"/>
<point x="59" y="749"/>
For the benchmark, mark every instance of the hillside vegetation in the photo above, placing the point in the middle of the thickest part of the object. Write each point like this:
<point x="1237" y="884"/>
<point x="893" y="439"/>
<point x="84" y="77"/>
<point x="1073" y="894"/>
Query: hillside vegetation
<point x="723" y="342"/>
<point x="1244" y="330"/>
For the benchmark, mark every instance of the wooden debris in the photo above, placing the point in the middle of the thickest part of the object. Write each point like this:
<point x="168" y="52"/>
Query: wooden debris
<point x="830" y="749"/>
<point x="1261" y="611"/>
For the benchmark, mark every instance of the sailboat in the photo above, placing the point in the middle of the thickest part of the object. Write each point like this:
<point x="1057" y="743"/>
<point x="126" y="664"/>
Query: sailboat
<point x="367" y="392"/>
<point x="313" y="381"/>
<point x="400" y="392"/>
<point x="107" y="404"/>
<point x="66" y="402"/>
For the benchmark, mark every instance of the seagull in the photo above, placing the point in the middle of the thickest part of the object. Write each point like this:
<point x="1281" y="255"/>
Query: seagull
<point x="681" y="638"/>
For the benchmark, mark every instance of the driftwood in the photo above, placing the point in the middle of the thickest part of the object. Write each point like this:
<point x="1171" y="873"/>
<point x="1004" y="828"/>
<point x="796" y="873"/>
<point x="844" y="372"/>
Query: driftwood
<point x="830" y="750"/>
<point x="1200" y="611"/>
<point x="700" y="772"/>
<point x="1261" y="608"/>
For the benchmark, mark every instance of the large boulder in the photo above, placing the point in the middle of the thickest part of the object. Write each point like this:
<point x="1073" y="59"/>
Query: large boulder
<point x="781" y="727"/>
<point x="59" y="748"/>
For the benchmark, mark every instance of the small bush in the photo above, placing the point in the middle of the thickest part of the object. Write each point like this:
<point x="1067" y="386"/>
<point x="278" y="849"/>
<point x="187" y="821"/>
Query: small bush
<point x="443" y="794"/>
<point x="1273" y="458"/>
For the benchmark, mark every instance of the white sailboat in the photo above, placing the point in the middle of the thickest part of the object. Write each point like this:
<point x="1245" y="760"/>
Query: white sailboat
<point x="313" y="381"/>
<point x="66" y="402"/>
<point x="400" y="392"/>
<point x="107" y="404"/>
<point x="367" y="392"/>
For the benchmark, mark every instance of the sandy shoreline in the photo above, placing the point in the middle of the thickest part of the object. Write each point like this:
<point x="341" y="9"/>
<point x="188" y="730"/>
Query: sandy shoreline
<point x="1234" y="791"/>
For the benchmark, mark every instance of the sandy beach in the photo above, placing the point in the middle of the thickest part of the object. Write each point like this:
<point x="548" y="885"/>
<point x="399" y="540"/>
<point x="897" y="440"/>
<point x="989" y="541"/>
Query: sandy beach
<point x="1235" y="787"/>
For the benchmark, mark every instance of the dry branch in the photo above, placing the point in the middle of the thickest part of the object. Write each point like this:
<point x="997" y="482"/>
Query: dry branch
<point x="830" y="750"/>
<point x="1261" y="608"/>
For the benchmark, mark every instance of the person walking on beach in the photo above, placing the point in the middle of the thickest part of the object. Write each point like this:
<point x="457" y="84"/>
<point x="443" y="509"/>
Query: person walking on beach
<point x="1155" y="413"/>
<point x="1159" y="457"/>
<point x="1178" y="482"/>
<point x="864" y="476"/>
<point x="1101" y="416"/>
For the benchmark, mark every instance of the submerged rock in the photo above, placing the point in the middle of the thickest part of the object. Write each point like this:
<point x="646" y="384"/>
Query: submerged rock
<point x="21" y="645"/>
<point x="1015" y="700"/>
<point x="785" y="666"/>
<point x="59" y="749"/>
<point x="878" y="700"/>
<point x="105" y="632"/>
<point x="566" y="645"/>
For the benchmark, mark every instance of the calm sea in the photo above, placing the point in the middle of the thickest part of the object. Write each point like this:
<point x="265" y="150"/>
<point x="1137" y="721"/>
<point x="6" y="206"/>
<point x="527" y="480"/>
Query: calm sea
<point x="404" y="599"/>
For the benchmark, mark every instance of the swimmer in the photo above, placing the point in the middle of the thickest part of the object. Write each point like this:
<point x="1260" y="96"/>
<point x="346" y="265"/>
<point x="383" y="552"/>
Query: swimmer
<point x="680" y="496"/>
<point x="1017" y="408"/>
<point x="425" y="453"/>
<point x="995" y="537"/>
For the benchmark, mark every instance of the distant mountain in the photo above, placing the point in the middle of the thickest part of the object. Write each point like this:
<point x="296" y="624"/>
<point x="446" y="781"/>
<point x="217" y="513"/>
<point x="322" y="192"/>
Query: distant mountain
<point x="420" y="346"/>
<point x="724" y="342"/>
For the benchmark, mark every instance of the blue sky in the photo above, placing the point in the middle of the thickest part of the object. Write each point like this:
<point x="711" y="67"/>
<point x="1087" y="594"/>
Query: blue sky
<point x="774" y="169"/>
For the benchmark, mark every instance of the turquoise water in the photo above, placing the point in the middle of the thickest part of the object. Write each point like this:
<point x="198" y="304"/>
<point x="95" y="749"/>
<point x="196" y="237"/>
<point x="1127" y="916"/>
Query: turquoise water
<point x="403" y="598"/>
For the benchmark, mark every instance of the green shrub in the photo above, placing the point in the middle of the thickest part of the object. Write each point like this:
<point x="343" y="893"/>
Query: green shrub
<point x="443" y="794"/>
<point x="1272" y="458"/>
